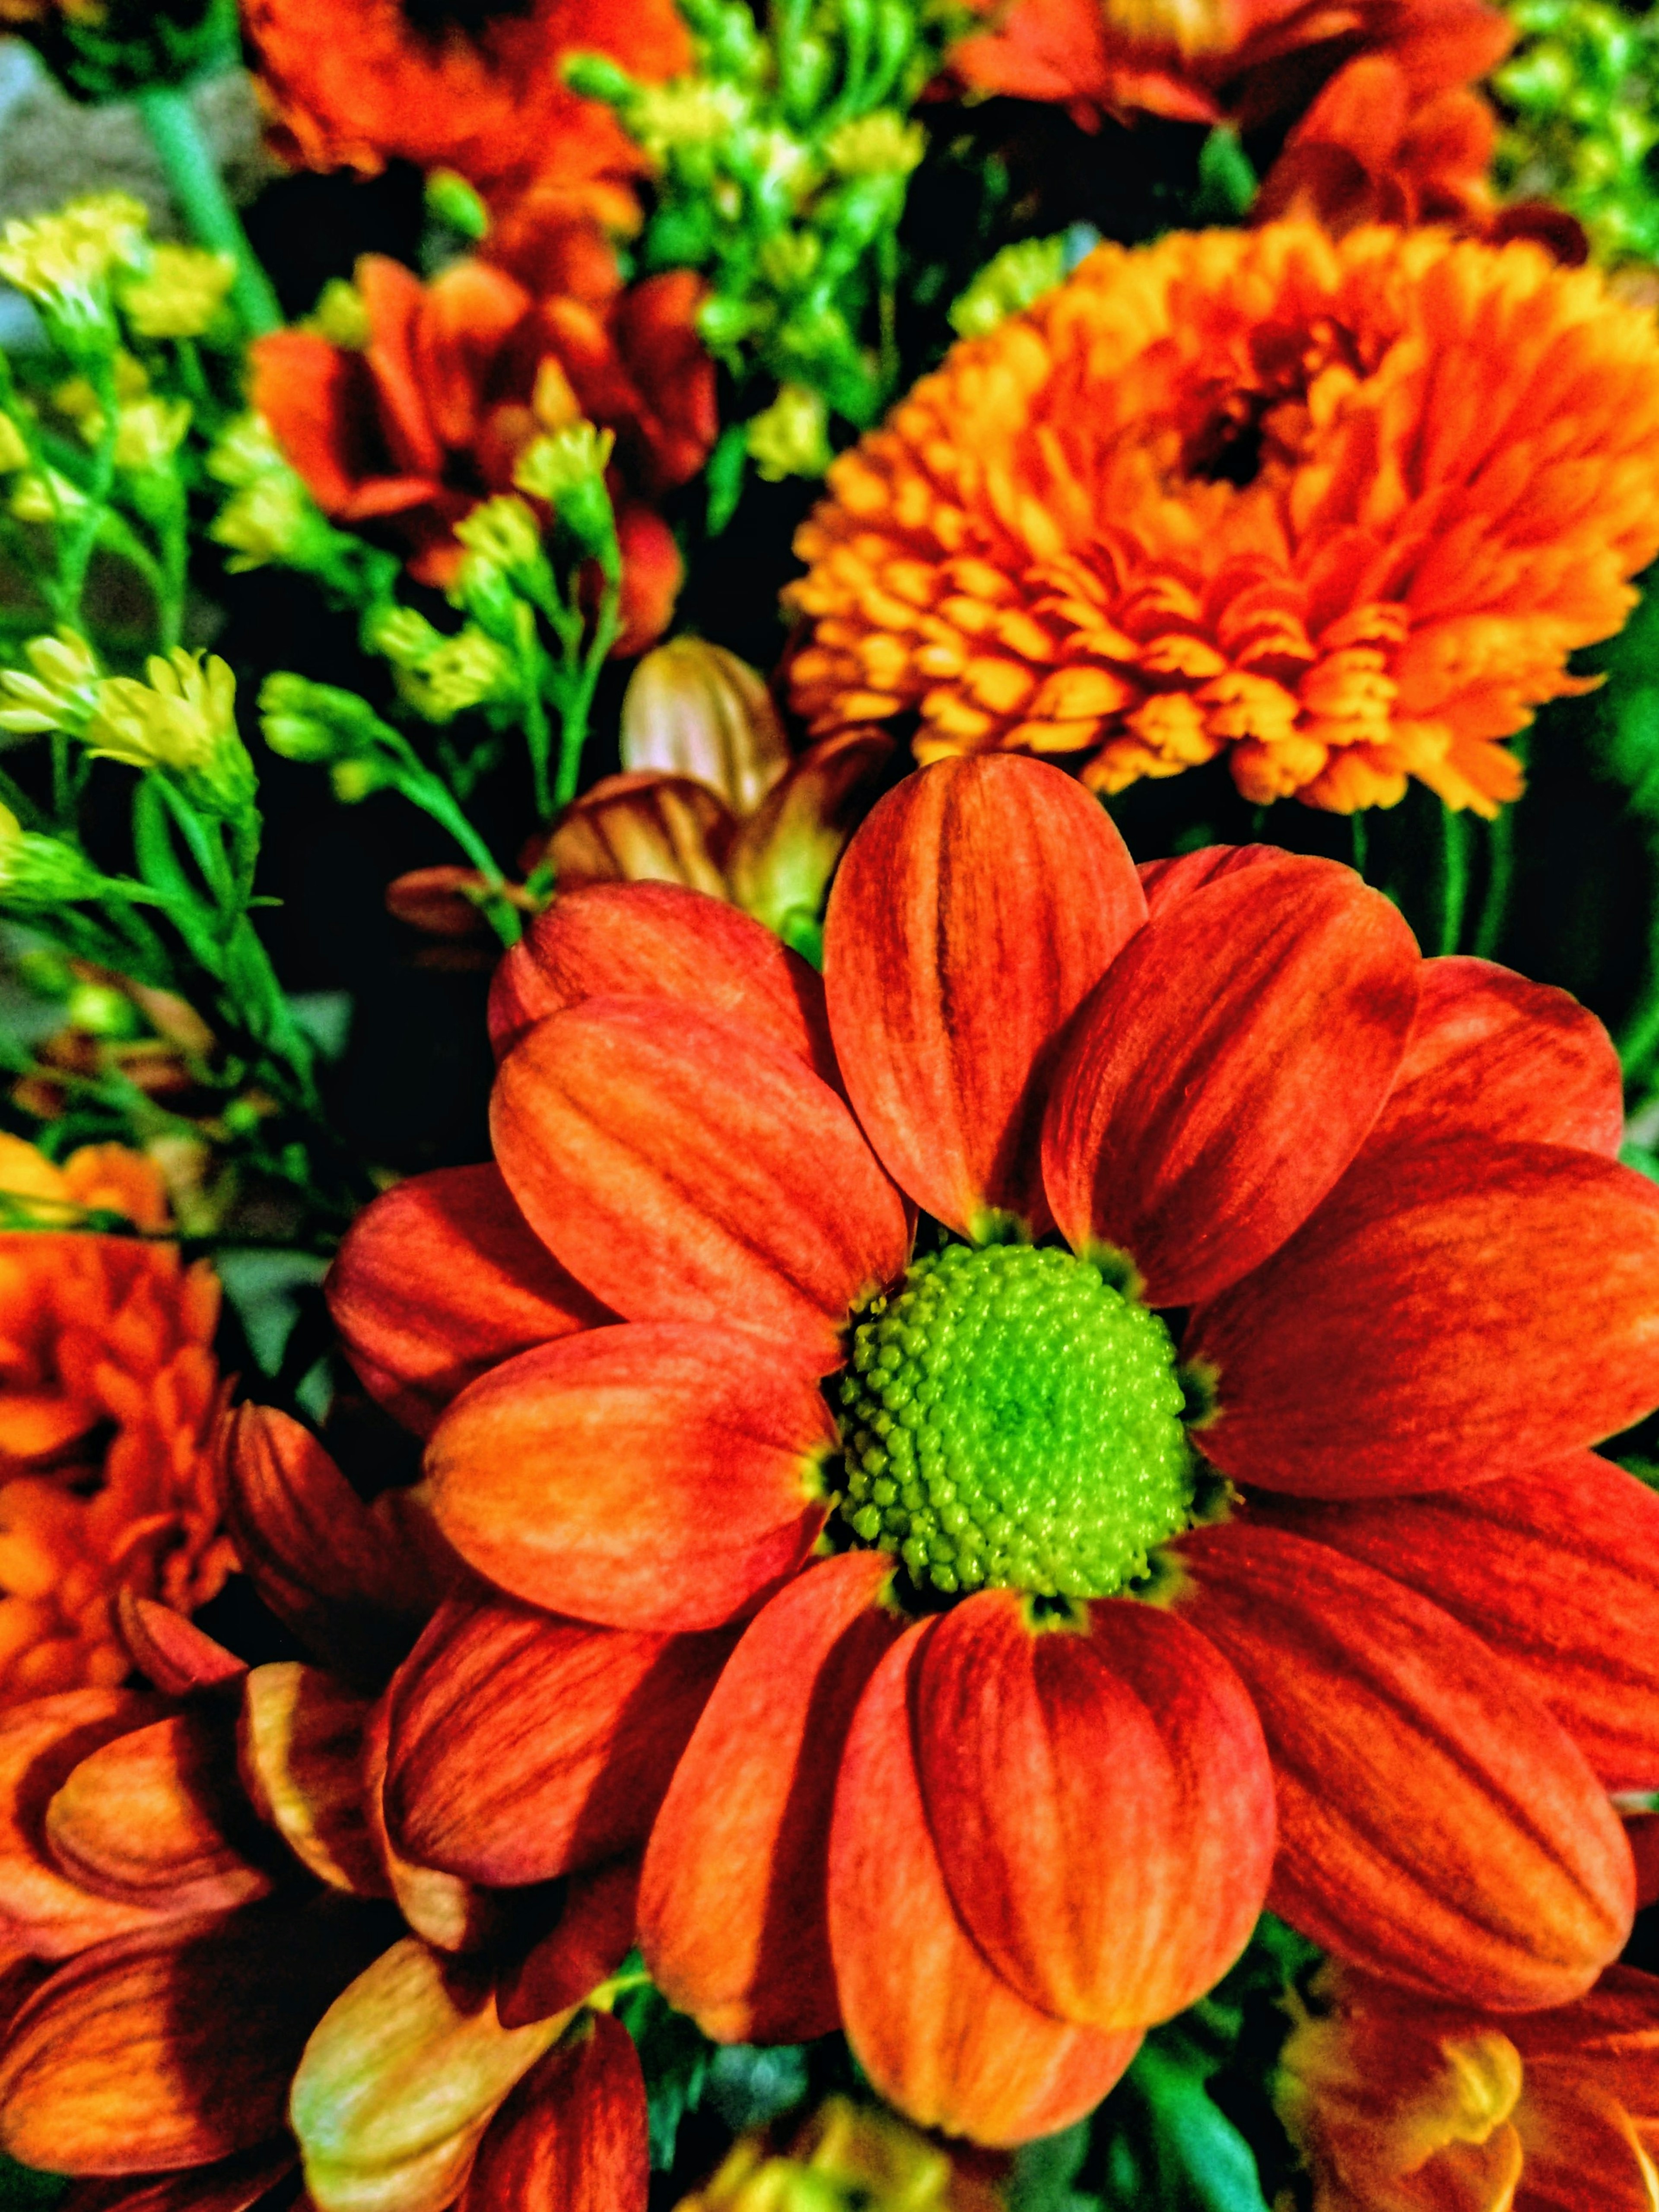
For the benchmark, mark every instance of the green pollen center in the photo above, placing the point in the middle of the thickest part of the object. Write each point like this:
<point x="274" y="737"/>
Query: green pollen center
<point x="1009" y="1420"/>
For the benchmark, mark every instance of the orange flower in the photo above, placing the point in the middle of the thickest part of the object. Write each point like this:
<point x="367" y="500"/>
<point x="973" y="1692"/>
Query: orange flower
<point x="428" y="418"/>
<point x="101" y="1338"/>
<point x="197" y="1891"/>
<point x="1400" y="2106"/>
<point x="352" y="84"/>
<point x="1340" y="510"/>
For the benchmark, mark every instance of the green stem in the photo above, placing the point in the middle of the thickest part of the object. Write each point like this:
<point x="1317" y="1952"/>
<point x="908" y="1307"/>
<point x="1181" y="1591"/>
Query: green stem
<point x="1454" y="877"/>
<point x="1360" y="834"/>
<point x="193" y="175"/>
<point x="573" y="734"/>
<point x="1500" y="877"/>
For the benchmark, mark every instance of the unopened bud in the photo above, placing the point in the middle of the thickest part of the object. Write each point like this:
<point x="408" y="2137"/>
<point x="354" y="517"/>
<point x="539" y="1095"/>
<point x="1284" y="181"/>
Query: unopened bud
<point x="59" y="691"/>
<point x="880" y="145"/>
<point x="41" y="871"/>
<point x="340" y="316"/>
<point x="13" y="453"/>
<point x="451" y="200"/>
<point x="693" y="708"/>
<point x="179" y="292"/>
<point x="791" y="437"/>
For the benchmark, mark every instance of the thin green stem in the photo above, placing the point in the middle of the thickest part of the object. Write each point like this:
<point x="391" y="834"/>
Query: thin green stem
<point x="193" y="175"/>
<point x="573" y="734"/>
<point x="1360" y="834"/>
<point x="1454" y="877"/>
<point x="539" y="736"/>
<point x="1500" y="880"/>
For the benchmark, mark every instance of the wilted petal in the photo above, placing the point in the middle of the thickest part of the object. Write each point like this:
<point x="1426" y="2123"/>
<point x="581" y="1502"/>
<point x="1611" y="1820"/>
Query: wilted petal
<point x="977" y="906"/>
<point x="177" y="1657"/>
<point x="524" y="1746"/>
<point x="939" y="2033"/>
<point x="301" y="1741"/>
<point x="438" y="1281"/>
<point x="733" y="1899"/>
<point x="574" y="2136"/>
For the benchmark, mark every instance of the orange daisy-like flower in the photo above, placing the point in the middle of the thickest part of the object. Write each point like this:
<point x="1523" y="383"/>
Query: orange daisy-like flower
<point x="353" y="83"/>
<point x="1030" y="1711"/>
<point x="1339" y="509"/>
<point x="1400" y="2106"/>
<point x="109" y="1402"/>
<point x="199" y="1904"/>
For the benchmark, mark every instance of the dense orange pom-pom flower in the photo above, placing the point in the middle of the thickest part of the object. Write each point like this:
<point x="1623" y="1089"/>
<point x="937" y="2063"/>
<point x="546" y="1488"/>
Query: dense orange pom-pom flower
<point x="109" y="1402"/>
<point x="1340" y="510"/>
<point x="1024" y="1689"/>
<point x="1398" y="2106"/>
<point x="206" y="1981"/>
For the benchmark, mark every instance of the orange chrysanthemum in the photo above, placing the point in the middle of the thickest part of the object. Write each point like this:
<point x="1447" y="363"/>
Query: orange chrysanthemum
<point x="109" y="1401"/>
<point x="1341" y="509"/>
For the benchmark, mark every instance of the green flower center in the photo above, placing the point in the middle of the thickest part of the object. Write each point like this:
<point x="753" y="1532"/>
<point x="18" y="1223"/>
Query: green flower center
<point x="1009" y="1420"/>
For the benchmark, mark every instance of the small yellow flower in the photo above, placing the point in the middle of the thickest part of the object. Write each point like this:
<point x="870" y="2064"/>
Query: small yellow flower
<point x="13" y="453"/>
<point x="879" y="145"/>
<point x="790" y="438"/>
<point x="180" y="292"/>
<point x="245" y="451"/>
<point x="47" y="497"/>
<point x="1008" y="284"/>
<point x="63" y="261"/>
<point x="468" y="669"/>
<point x="692" y="112"/>
<point x="846" y="2158"/>
<point x="58" y="695"/>
<point x="182" y="718"/>
<point x="264" y="522"/>
<point x="566" y="469"/>
<point x="502" y="531"/>
<point x="150" y="433"/>
<point x="402" y="637"/>
<point x="340" y="316"/>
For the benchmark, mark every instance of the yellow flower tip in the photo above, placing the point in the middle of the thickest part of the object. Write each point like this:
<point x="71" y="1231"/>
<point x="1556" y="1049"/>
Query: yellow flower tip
<point x="246" y="452"/>
<point x="179" y="293"/>
<point x="181" y="719"/>
<point x="791" y="437"/>
<point x="64" y="261"/>
<point x="1082" y="538"/>
<point x="340" y="316"/>
<point x="503" y="531"/>
<point x="880" y="145"/>
<point x="845" y="2158"/>
<point x="13" y="453"/>
<point x="149" y="434"/>
<point x="56" y="693"/>
<point x="564" y="463"/>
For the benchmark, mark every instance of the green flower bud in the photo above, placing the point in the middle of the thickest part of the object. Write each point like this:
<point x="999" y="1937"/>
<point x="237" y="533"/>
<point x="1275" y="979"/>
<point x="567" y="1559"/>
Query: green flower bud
<point x="37" y="872"/>
<point x="60" y="690"/>
<point x="451" y="199"/>
<point x="790" y="438"/>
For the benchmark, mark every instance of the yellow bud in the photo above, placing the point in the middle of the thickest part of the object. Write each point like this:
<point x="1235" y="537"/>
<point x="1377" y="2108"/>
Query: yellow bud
<point x="1008" y="283"/>
<point x="246" y="451"/>
<point x="182" y="718"/>
<point x="48" y="497"/>
<point x="879" y="145"/>
<point x="402" y="637"/>
<point x="59" y="692"/>
<point x="63" y="261"/>
<point x="149" y="434"/>
<point x="846" y="2156"/>
<point x="503" y="531"/>
<point x="264" y="522"/>
<point x="180" y="292"/>
<point x="13" y="453"/>
<point x="340" y="316"/>
<point x="790" y="438"/>
<point x="466" y="671"/>
<point x="691" y="112"/>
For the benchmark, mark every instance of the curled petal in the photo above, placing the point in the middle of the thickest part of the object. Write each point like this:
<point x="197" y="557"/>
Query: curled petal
<point x="1556" y="1570"/>
<point x="661" y="1475"/>
<point x="732" y="1900"/>
<point x="592" y="1936"/>
<point x="940" y="2035"/>
<point x="445" y="1911"/>
<point x="155" y="1817"/>
<point x="1226" y="1071"/>
<point x="688" y="1168"/>
<point x="974" y="910"/>
<point x="1468" y="1309"/>
<point x="1494" y="1054"/>
<point x="438" y="1281"/>
<point x="302" y="1744"/>
<point x="1437" y="1825"/>
<point x="177" y="1657"/>
<point x="657" y="940"/>
<point x="402" y="2076"/>
<point x="522" y="1745"/>
<point x="350" y="1580"/>
<point x="1100" y="1799"/>
<point x="229" y="2185"/>
<point x="573" y="2136"/>
<point x="174" y="2047"/>
<point x="785" y="852"/>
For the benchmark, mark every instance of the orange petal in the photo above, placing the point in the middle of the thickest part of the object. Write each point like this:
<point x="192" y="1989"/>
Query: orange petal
<point x="172" y="2048"/>
<point x="1471" y="1308"/>
<point x="1436" y="1825"/>
<point x="444" y="1910"/>
<point x="975" y="908"/>
<point x="592" y="1936"/>
<point x="940" y="2035"/>
<point x="574" y="2135"/>
<point x="177" y="1655"/>
<point x="301" y="1745"/>
<point x="1495" y="1053"/>
<point x="660" y="1475"/>
<point x="399" y="2081"/>
<point x="732" y="1899"/>
<point x="686" y="1168"/>
<point x="438" y="1281"/>
<point x="156" y="1817"/>
<point x="230" y="2184"/>
<point x="1201" y="1112"/>
<point x="522" y="1745"/>
<point x="1556" y="1570"/>
<point x="1100" y="1799"/>
<point x="627" y="941"/>
<point x="1166" y="882"/>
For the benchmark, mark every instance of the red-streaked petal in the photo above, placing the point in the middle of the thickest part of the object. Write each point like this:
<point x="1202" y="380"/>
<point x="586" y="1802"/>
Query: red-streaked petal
<point x="1101" y="1802"/>
<point x="732" y="1899"/>
<point x="686" y="1168"/>
<point x="157" y="1817"/>
<point x="438" y="1281"/>
<point x="1495" y="1054"/>
<point x="172" y="2048"/>
<point x="594" y="1934"/>
<point x="1557" y="1569"/>
<point x="229" y="2185"/>
<point x="1225" y="1072"/>
<point x="1166" y="882"/>
<point x="659" y="941"/>
<point x="443" y="1910"/>
<point x="940" y="2035"/>
<point x="522" y="1745"/>
<point x="301" y="1745"/>
<point x="175" y="1655"/>
<point x="573" y="2136"/>
<point x="974" y="911"/>
<point x="663" y="1474"/>
<point x="1437" y="1825"/>
<point x="1464" y="1310"/>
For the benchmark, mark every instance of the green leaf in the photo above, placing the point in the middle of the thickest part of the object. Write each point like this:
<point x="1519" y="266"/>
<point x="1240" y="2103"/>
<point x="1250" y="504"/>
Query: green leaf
<point x="22" y="2190"/>
<point x="1201" y="2163"/>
